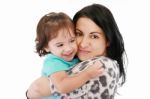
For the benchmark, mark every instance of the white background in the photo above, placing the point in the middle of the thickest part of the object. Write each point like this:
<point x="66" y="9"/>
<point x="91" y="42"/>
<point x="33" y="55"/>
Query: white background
<point x="19" y="65"/>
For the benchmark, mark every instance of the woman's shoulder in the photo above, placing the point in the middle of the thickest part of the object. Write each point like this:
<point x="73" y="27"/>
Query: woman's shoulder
<point x="106" y="61"/>
<point x="103" y="86"/>
<point x="107" y="64"/>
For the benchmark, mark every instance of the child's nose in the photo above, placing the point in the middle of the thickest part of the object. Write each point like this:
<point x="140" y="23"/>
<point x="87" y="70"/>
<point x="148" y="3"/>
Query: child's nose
<point x="68" y="50"/>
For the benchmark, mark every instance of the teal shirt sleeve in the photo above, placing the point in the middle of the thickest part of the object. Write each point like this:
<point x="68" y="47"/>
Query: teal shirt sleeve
<point x="52" y="97"/>
<point x="52" y="66"/>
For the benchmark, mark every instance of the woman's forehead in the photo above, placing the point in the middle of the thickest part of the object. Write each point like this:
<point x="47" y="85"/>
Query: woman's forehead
<point x="86" y="25"/>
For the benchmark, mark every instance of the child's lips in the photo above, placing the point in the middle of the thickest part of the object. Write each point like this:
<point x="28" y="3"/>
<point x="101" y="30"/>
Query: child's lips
<point x="68" y="55"/>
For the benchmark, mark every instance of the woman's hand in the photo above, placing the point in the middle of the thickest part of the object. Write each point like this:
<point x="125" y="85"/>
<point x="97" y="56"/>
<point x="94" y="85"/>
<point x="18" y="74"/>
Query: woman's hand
<point x="39" y="88"/>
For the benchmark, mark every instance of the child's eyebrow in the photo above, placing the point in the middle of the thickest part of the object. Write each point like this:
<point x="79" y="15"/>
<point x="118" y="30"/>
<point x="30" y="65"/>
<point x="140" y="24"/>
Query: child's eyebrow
<point x="59" y="43"/>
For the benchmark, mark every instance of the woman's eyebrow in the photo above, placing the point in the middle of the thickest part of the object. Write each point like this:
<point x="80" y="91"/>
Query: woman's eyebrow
<point x="95" y="33"/>
<point x="78" y="30"/>
<point x="90" y="32"/>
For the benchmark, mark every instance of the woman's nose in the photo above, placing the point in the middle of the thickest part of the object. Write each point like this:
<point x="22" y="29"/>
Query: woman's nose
<point x="83" y="43"/>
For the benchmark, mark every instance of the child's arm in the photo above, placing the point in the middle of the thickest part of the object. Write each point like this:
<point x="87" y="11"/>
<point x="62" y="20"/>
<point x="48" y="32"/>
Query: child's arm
<point x="65" y="83"/>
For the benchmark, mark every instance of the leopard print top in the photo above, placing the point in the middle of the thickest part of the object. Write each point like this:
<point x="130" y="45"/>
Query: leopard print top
<point x="103" y="87"/>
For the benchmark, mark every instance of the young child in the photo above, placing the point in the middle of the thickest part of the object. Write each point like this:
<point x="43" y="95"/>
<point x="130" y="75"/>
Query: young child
<point x="56" y="39"/>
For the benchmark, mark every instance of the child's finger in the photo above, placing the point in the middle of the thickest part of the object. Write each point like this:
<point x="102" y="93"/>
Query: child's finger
<point x="101" y="70"/>
<point x="99" y="63"/>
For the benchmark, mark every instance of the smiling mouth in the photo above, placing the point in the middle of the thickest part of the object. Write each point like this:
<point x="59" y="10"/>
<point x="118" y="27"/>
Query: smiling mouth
<point x="69" y="55"/>
<point x="83" y="52"/>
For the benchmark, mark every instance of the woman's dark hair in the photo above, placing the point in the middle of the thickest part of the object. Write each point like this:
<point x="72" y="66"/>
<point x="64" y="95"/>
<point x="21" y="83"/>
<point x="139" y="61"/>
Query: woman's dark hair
<point x="48" y="28"/>
<point x="105" y="20"/>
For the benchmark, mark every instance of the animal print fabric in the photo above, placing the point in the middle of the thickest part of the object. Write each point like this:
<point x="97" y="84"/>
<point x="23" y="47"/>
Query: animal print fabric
<point x="103" y="87"/>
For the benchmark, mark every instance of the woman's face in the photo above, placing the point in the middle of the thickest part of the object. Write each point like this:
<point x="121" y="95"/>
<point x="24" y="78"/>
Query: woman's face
<point x="91" y="39"/>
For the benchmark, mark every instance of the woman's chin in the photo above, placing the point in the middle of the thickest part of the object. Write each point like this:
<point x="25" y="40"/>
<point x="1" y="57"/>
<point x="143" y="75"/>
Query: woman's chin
<point x="83" y="57"/>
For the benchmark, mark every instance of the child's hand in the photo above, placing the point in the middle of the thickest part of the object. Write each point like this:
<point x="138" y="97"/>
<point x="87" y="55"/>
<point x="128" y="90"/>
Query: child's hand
<point x="95" y="70"/>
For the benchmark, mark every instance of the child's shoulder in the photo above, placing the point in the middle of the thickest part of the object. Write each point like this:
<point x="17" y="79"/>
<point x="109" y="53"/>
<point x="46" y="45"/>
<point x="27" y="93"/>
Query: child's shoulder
<point x="51" y="57"/>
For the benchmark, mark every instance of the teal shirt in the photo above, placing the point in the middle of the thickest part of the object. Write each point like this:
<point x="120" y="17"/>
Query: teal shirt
<point x="54" y="64"/>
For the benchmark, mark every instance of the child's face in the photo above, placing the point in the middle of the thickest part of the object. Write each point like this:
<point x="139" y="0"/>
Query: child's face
<point x="63" y="45"/>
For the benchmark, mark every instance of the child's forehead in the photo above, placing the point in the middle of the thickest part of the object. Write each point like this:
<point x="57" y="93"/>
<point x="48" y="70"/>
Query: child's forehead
<point x="64" y="35"/>
<point x="66" y="31"/>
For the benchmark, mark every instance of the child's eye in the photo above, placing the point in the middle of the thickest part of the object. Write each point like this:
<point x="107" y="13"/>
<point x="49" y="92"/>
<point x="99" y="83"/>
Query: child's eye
<point x="73" y="40"/>
<point x="59" y="45"/>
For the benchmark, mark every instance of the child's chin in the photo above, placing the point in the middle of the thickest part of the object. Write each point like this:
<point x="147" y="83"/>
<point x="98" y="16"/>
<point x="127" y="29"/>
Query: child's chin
<point x="68" y="59"/>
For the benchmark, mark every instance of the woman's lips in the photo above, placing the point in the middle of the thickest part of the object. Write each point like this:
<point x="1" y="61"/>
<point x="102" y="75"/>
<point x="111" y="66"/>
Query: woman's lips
<point x="83" y="52"/>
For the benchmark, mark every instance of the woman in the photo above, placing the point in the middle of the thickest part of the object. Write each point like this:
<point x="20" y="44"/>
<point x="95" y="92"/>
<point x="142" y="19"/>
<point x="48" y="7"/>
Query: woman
<point x="97" y="35"/>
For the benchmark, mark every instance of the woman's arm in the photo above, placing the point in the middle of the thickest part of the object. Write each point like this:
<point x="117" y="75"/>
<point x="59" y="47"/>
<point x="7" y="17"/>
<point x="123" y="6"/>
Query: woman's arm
<point x="39" y="88"/>
<point x="65" y="83"/>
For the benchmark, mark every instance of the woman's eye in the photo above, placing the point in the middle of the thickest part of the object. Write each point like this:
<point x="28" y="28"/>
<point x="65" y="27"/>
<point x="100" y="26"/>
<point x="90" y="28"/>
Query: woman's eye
<point x="78" y="34"/>
<point x="94" y="36"/>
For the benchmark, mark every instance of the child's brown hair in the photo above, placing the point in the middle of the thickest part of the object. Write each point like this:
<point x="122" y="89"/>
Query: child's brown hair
<point x="48" y="28"/>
